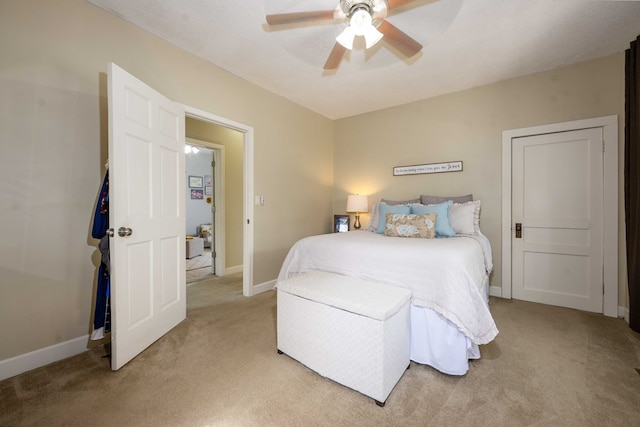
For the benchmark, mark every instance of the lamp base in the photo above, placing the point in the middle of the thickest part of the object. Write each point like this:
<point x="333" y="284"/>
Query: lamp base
<point x="356" y="224"/>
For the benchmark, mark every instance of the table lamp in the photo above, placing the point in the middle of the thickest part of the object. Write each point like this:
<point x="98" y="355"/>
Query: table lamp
<point x="357" y="203"/>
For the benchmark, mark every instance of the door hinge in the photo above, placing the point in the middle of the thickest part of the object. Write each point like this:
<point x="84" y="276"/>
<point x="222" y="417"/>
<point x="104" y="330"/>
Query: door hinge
<point x="603" y="146"/>
<point x="213" y="164"/>
<point x="214" y="254"/>
<point x="213" y="209"/>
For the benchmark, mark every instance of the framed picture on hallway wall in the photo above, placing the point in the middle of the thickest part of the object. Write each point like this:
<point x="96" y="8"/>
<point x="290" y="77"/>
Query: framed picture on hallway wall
<point x="195" y="181"/>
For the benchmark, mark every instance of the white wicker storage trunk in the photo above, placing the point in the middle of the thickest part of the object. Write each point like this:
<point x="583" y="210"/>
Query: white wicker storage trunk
<point x="350" y="330"/>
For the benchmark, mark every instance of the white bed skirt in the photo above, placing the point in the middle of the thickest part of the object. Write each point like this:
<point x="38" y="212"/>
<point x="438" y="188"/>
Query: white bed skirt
<point x="437" y="342"/>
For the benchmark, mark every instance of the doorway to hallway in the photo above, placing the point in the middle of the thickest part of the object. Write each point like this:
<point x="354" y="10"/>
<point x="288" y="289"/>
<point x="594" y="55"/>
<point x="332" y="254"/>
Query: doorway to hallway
<point x="220" y="160"/>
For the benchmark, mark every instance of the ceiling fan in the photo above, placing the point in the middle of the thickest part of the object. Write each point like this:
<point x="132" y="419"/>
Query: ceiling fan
<point x="367" y="18"/>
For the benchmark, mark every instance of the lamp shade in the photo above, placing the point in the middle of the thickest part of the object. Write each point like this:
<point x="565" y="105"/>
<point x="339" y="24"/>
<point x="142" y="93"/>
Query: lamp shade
<point x="372" y="36"/>
<point x="357" y="203"/>
<point x="346" y="38"/>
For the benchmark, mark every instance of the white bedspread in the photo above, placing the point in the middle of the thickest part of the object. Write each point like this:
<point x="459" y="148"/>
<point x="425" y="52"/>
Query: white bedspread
<point x="443" y="274"/>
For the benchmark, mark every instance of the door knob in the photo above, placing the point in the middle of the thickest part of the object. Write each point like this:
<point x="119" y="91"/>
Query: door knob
<point x="124" y="232"/>
<point x="518" y="230"/>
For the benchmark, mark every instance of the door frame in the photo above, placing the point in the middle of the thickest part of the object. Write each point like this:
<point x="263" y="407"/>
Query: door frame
<point x="248" y="189"/>
<point x="219" y="237"/>
<point x="609" y="126"/>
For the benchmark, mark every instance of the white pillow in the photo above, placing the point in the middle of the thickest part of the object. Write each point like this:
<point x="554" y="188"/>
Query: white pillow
<point x="465" y="217"/>
<point x="373" y="219"/>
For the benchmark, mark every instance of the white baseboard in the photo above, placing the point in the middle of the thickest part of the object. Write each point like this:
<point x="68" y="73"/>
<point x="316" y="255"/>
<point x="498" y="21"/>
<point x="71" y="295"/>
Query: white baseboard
<point x="623" y="313"/>
<point x="233" y="270"/>
<point x="42" y="357"/>
<point x="264" y="287"/>
<point x="496" y="291"/>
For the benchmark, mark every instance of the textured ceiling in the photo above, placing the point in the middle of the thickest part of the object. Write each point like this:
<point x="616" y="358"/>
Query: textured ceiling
<point x="467" y="43"/>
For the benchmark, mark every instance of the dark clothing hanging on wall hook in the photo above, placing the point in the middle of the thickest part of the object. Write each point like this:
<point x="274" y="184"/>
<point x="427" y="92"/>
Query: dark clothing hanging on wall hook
<point x="101" y="215"/>
<point x="102" y="315"/>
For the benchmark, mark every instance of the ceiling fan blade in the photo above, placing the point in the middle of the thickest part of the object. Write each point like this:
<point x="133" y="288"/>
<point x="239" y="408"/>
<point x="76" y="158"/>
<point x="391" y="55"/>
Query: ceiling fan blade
<point x="392" y="4"/>
<point x="335" y="57"/>
<point x="290" y="18"/>
<point x="399" y="40"/>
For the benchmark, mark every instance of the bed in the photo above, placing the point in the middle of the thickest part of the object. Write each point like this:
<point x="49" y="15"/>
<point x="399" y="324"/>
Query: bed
<point x="448" y="278"/>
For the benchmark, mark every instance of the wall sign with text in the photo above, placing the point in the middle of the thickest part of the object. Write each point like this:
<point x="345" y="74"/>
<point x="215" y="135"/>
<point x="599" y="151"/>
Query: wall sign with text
<point x="428" y="168"/>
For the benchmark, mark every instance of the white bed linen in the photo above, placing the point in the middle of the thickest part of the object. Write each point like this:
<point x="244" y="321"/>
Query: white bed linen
<point x="444" y="275"/>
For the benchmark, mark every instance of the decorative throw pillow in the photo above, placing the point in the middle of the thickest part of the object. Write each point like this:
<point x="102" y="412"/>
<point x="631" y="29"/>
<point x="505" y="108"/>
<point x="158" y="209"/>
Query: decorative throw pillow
<point x="434" y="200"/>
<point x="374" y="221"/>
<point x="465" y="217"/>
<point x="410" y="225"/>
<point x="384" y="209"/>
<point x="443" y="226"/>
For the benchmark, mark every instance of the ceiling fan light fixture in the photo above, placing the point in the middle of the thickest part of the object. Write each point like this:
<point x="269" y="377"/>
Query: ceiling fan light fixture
<point x="372" y="36"/>
<point x="346" y="38"/>
<point x="360" y="24"/>
<point x="360" y="21"/>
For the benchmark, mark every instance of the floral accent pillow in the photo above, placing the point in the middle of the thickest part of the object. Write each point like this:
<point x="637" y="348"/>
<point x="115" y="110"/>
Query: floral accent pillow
<point x="411" y="225"/>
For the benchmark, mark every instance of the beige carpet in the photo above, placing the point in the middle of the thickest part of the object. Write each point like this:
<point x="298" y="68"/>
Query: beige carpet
<point x="548" y="366"/>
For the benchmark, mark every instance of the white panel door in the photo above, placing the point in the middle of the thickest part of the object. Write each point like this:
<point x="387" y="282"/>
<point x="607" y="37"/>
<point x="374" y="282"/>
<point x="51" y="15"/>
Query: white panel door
<point x="146" y="212"/>
<point x="557" y="197"/>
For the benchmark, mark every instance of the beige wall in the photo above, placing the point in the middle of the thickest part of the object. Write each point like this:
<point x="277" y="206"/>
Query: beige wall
<point x="233" y="182"/>
<point x="53" y="144"/>
<point x="468" y="126"/>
